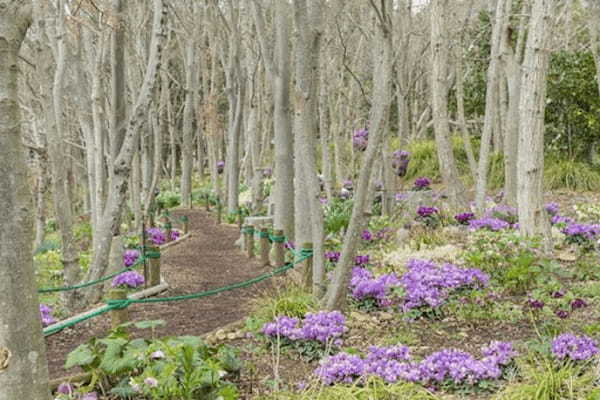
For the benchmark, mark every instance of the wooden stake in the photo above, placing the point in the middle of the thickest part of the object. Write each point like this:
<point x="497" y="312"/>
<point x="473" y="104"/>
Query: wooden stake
<point x="278" y="250"/>
<point x="265" y="246"/>
<point x="120" y="316"/>
<point x="250" y="242"/>
<point x="154" y="269"/>
<point x="308" y="268"/>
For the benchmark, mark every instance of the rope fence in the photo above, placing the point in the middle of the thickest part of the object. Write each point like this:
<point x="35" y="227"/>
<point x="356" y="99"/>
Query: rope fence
<point x="300" y="256"/>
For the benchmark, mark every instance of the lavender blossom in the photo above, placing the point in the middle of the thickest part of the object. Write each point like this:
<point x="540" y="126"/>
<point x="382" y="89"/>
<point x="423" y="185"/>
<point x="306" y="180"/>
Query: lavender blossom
<point x="422" y="183"/>
<point x="366" y="235"/>
<point x="342" y="367"/>
<point x="425" y="212"/>
<point x="46" y="315"/>
<point x="492" y="224"/>
<point x="576" y="348"/>
<point x="130" y="257"/>
<point x="220" y="166"/>
<point x="333" y="256"/>
<point x="129" y="279"/>
<point x="365" y="286"/>
<point x="361" y="260"/>
<point x="360" y="139"/>
<point x="560" y="220"/>
<point x="175" y="235"/>
<point x="552" y="208"/>
<point x="464" y="218"/>
<point x="156" y="236"/>
<point x="400" y="160"/>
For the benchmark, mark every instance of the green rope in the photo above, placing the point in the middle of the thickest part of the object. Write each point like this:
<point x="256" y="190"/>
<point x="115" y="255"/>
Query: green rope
<point x="277" y="239"/>
<point x="184" y="218"/>
<point x="262" y="234"/>
<point x="168" y="226"/>
<point x="51" y="330"/>
<point x="139" y="261"/>
<point x="248" y="230"/>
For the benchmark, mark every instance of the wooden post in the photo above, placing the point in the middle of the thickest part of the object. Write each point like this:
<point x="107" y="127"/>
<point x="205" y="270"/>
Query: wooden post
<point x="278" y="249"/>
<point x="250" y="242"/>
<point x="191" y="201"/>
<point x="240" y="218"/>
<point x="118" y="316"/>
<point x="308" y="268"/>
<point x="186" y="225"/>
<point x="265" y="246"/>
<point x="219" y="211"/>
<point x="154" y="268"/>
<point x="168" y="231"/>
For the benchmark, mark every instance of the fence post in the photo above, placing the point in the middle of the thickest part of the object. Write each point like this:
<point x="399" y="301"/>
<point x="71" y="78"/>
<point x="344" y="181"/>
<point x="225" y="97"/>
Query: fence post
<point x="265" y="246"/>
<point x="308" y="267"/>
<point x="186" y="224"/>
<point x="168" y="231"/>
<point x="250" y="241"/>
<point x="219" y="210"/>
<point x="207" y="202"/>
<point x="240" y="218"/>
<point x="279" y="251"/>
<point x="118" y="316"/>
<point x="154" y="267"/>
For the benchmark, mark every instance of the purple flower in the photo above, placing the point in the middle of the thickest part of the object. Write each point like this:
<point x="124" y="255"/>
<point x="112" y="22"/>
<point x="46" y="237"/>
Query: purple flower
<point x="560" y="220"/>
<point x="130" y="257"/>
<point x="90" y="396"/>
<point x="581" y="233"/>
<point x="366" y="235"/>
<point x="333" y="256"/>
<point x="129" y="279"/>
<point x="551" y="208"/>
<point x="401" y="196"/>
<point x="345" y="194"/>
<point x="289" y="245"/>
<point x="220" y="167"/>
<point x="558" y="294"/>
<point x="321" y="327"/>
<point x="323" y="200"/>
<point x="427" y="284"/>
<point x="576" y="348"/>
<point x="360" y="139"/>
<point x="340" y="368"/>
<point x="562" y="314"/>
<point x="424" y="212"/>
<point x="535" y="304"/>
<point x="422" y="183"/>
<point x="502" y="352"/>
<point x="578" y="303"/>
<point x="492" y="224"/>
<point x="365" y="286"/>
<point x="464" y="218"/>
<point x="64" y="388"/>
<point x="400" y="160"/>
<point x="156" y="236"/>
<point x="46" y="315"/>
<point x="361" y="260"/>
<point x="267" y="172"/>
<point x="504" y="213"/>
<point x="347" y="184"/>
<point x="282" y="326"/>
<point x="175" y="235"/>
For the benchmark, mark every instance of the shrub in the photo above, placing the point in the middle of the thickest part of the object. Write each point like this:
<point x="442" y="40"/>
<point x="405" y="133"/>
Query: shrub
<point x="572" y="175"/>
<point x="168" y="199"/>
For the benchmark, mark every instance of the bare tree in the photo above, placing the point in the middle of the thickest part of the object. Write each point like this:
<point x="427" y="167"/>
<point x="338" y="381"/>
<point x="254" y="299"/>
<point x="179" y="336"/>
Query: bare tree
<point x="23" y="370"/>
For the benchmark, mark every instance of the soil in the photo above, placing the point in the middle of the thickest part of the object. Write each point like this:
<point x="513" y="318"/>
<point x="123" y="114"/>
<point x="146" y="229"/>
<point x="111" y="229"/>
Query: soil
<point x="208" y="259"/>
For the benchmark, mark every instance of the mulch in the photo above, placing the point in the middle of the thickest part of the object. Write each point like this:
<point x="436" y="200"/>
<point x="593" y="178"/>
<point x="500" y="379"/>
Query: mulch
<point x="208" y="259"/>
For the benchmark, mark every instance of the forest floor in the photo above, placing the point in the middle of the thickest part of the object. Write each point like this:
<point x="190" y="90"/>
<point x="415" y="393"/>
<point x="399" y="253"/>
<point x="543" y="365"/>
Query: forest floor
<point x="208" y="259"/>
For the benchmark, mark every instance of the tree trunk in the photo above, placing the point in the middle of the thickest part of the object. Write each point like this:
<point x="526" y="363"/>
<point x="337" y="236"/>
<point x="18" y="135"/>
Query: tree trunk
<point x="533" y="219"/>
<point x="26" y="372"/>
<point x="439" y="92"/>
<point x="335" y="297"/>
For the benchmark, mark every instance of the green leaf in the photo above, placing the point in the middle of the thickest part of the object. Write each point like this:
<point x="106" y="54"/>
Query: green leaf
<point x="81" y="357"/>
<point x="150" y="324"/>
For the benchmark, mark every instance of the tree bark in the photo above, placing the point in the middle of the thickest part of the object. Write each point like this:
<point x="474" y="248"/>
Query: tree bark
<point x="21" y="341"/>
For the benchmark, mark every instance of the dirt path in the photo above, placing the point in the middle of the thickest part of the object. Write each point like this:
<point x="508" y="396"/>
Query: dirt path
<point x="207" y="260"/>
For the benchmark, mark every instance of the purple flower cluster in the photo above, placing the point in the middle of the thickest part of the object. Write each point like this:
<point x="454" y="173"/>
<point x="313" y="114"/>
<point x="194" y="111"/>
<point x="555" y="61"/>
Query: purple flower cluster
<point x="156" y="236"/>
<point x="347" y="184"/>
<point x="394" y="364"/>
<point x="560" y="220"/>
<point x="427" y="284"/>
<point x="576" y="348"/>
<point x="267" y="172"/>
<point x="361" y="260"/>
<point x="464" y="218"/>
<point x="422" y="183"/>
<point x="220" y="166"/>
<point x="490" y="223"/>
<point x="321" y="327"/>
<point x="332" y="256"/>
<point x="503" y="212"/>
<point x="46" y="314"/>
<point x="425" y="212"/>
<point x="365" y="286"/>
<point x="582" y="231"/>
<point x="400" y="160"/>
<point x="130" y="257"/>
<point x="552" y="208"/>
<point x="366" y="235"/>
<point x="360" y="139"/>
<point x="130" y="279"/>
<point x="175" y="235"/>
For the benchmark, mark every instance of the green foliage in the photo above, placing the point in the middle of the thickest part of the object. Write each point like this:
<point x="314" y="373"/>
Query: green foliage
<point x="51" y="225"/>
<point x="182" y="367"/>
<point x="46" y="246"/>
<point x="83" y="232"/>
<point x="374" y="388"/>
<point x="572" y="175"/>
<point x="542" y="379"/>
<point x="512" y="261"/>
<point x="199" y="196"/>
<point x="291" y="301"/>
<point x="168" y="199"/>
<point x="337" y="215"/>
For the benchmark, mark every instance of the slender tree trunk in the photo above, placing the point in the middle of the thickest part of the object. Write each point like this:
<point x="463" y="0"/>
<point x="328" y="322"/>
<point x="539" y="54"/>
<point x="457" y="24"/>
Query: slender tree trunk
<point x="335" y="297"/>
<point x="439" y="92"/>
<point x="22" y="346"/>
<point x="532" y="216"/>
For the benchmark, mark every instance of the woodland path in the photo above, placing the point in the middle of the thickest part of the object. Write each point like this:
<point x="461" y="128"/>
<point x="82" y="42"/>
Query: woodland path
<point x="208" y="259"/>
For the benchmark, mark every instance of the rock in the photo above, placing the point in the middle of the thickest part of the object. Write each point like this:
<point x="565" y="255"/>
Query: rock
<point x="232" y="336"/>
